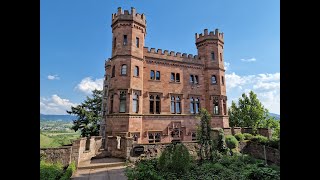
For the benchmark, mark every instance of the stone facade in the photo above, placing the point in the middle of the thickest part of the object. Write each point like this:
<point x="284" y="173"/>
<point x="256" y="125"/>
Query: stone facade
<point x="148" y="93"/>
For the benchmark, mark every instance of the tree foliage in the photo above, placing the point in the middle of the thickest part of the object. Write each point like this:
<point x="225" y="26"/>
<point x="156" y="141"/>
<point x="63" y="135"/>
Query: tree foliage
<point x="249" y="113"/>
<point x="203" y="135"/>
<point x="88" y="115"/>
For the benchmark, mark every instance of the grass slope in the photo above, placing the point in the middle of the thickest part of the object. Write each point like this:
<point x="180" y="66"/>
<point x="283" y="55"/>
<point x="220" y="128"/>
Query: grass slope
<point x="46" y="141"/>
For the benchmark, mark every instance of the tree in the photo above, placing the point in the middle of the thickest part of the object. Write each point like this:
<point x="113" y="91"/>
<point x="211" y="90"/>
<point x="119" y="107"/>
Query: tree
<point x="88" y="115"/>
<point x="203" y="135"/>
<point x="248" y="113"/>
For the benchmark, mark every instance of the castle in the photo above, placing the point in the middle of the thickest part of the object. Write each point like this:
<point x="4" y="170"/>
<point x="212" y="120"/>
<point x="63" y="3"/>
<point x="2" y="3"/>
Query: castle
<point x="153" y="95"/>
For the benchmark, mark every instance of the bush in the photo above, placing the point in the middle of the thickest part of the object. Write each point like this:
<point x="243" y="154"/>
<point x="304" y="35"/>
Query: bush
<point x="247" y="136"/>
<point x="260" y="139"/>
<point x="239" y="136"/>
<point x="145" y="169"/>
<point x="175" y="159"/>
<point x="264" y="173"/>
<point x="231" y="141"/>
<point x="49" y="171"/>
<point x="274" y="143"/>
<point x="69" y="171"/>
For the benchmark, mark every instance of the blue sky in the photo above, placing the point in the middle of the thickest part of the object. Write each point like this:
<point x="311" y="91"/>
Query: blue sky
<point x="75" y="40"/>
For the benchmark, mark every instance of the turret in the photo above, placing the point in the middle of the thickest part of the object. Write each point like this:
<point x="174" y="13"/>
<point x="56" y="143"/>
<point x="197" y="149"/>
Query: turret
<point x="129" y="30"/>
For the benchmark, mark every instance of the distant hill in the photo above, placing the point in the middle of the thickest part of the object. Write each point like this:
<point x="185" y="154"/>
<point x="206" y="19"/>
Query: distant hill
<point x="49" y="117"/>
<point x="276" y="116"/>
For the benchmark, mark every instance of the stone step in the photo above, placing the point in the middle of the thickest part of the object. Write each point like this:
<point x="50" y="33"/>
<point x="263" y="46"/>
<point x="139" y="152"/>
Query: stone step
<point x="101" y="165"/>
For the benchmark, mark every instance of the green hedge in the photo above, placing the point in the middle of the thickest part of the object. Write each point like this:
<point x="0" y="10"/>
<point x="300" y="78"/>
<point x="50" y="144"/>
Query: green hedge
<point x="55" y="171"/>
<point x="231" y="142"/>
<point x="239" y="136"/>
<point x="247" y="136"/>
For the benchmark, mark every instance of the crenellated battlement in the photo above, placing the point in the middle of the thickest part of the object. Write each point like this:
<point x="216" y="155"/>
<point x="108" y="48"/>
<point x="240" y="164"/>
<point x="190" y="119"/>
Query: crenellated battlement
<point x="171" y="55"/>
<point x="212" y="35"/>
<point x="129" y="16"/>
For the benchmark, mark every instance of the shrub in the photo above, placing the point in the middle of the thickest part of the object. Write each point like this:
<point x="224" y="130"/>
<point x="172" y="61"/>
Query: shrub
<point x="239" y="136"/>
<point x="274" y="142"/>
<point x="144" y="169"/>
<point x="260" y="139"/>
<point x="175" y="159"/>
<point x="247" y="136"/>
<point x="69" y="171"/>
<point x="231" y="141"/>
<point x="264" y="173"/>
<point x="49" y="171"/>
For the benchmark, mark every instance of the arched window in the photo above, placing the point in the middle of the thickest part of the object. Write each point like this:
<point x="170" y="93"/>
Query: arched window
<point x="157" y="75"/>
<point x="113" y="72"/>
<point x="136" y="71"/>
<point x="152" y="74"/>
<point x="212" y="55"/>
<point x="213" y="79"/>
<point x="172" y="77"/>
<point x="124" y="69"/>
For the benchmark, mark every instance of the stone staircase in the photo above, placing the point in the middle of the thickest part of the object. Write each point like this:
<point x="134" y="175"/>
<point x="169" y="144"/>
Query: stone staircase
<point x="105" y="162"/>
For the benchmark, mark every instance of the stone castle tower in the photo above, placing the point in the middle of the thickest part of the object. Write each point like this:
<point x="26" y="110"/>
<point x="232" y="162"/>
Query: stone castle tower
<point x="154" y="95"/>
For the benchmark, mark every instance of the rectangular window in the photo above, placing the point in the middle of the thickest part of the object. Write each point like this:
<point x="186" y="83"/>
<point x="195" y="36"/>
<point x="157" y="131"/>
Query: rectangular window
<point x="192" y="106"/>
<point x="122" y="101"/>
<point x="178" y="105"/>
<point x="114" y="42"/>
<point x="137" y="42"/>
<point x="158" y="107"/>
<point x="191" y="79"/>
<point x="172" y="105"/>
<point x="157" y="75"/>
<point x="212" y="55"/>
<point x="111" y="104"/>
<point x="216" y="109"/>
<point x="197" y="107"/>
<point x="151" y="104"/>
<point x="154" y="137"/>
<point x="222" y="80"/>
<point x="196" y="79"/>
<point x="135" y="103"/>
<point x="194" y="136"/>
<point x="152" y="74"/>
<point x="125" y="40"/>
<point x="224" y="107"/>
<point x="177" y="77"/>
<point x="172" y="77"/>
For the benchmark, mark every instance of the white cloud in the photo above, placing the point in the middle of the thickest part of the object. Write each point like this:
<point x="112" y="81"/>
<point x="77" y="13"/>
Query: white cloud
<point x="249" y="60"/>
<point x="87" y="85"/>
<point x="226" y="65"/>
<point x="53" y="77"/>
<point x="55" y="105"/>
<point x="266" y="86"/>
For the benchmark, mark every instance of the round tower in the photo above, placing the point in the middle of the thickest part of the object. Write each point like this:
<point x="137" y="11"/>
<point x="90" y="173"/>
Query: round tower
<point x="210" y="47"/>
